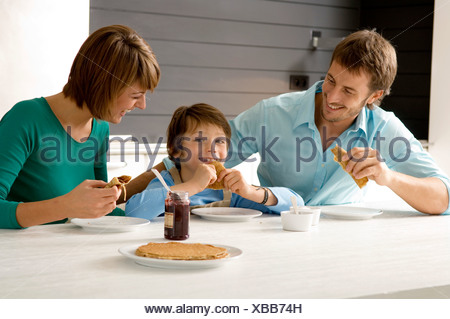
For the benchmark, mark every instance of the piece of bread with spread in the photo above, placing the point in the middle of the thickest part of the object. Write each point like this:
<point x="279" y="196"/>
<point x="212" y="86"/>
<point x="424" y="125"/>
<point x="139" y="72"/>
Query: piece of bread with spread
<point x="219" y="167"/>
<point x="120" y="181"/>
<point x="338" y="153"/>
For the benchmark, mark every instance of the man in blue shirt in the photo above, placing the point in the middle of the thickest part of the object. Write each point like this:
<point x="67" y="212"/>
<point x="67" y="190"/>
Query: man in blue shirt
<point x="295" y="132"/>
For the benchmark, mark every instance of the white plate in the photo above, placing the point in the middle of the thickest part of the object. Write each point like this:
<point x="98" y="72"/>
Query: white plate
<point x="350" y="212"/>
<point x="226" y="214"/>
<point x="130" y="252"/>
<point x="110" y="223"/>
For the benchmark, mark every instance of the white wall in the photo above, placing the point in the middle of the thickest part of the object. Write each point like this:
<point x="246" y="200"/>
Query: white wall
<point x="439" y="135"/>
<point x="38" y="42"/>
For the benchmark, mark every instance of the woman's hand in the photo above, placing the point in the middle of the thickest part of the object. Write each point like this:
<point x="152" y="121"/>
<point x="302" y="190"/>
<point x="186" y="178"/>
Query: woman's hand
<point x="90" y="200"/>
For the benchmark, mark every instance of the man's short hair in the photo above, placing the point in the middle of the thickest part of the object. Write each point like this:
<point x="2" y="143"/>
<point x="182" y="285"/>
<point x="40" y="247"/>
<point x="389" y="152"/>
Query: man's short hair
<point x="367" y="50"/>
<point x="110" y="60"/>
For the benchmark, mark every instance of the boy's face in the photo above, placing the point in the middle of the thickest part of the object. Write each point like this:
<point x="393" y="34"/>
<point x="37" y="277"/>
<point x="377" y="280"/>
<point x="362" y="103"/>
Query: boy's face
<point x="205" y="143"/>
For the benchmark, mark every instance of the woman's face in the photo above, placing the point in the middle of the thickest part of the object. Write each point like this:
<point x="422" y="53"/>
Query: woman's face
<point x="132" y="97"/>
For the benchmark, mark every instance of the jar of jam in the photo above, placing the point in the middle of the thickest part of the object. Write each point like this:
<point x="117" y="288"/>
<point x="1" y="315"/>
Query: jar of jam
<point x="176" y="219"/>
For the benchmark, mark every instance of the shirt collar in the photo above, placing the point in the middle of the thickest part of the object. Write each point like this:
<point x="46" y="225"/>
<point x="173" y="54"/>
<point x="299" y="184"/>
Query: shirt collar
<point x="361" y="121"/>
<point x="305" y="113"/>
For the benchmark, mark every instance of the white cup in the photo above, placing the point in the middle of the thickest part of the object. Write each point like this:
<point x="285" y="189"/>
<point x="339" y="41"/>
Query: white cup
<point x="305" y="209"/>
<point x="296" y="222"/>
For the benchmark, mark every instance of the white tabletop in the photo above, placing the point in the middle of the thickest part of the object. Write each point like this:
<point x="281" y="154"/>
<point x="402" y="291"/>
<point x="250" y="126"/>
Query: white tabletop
<point x="398" y="250"/>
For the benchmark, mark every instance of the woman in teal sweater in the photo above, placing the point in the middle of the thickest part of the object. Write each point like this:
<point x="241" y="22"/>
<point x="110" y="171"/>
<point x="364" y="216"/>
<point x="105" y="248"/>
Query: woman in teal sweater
<point x="53" y="149"/>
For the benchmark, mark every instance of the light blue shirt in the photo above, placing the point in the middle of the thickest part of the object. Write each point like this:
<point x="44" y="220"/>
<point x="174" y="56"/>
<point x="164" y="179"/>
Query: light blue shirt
<point x="282" y="130"/>
<point x="150" y="202"/>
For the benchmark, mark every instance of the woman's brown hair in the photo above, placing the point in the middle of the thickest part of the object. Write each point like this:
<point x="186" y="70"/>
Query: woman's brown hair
<point x="367" y="50"/>
<point x="110" y="60"/>
<point x="189" y="118"/>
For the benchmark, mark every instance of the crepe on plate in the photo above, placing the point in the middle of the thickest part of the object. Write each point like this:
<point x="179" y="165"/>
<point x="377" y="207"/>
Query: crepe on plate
<point x="338" y="153"/>
<point x="181" y="251"/>
<point x="120" y="181"/>
<point x="219" y="167"/>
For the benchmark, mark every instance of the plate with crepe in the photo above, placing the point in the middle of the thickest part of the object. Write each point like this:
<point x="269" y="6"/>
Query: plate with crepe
<point x="350" y="212"/>
<point x="224" y="254"/>
<point x="110" y="223"/>
<point x="226" y="214"/>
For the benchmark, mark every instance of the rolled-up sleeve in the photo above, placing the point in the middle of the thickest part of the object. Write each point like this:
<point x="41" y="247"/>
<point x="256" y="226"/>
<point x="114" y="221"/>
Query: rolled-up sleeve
<point x="403" y="153"/>
<point x="282" y="194"/>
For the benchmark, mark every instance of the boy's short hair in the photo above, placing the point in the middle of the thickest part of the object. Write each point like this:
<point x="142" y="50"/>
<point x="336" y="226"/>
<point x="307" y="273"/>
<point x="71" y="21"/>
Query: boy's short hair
<point x="110" y="60"/>
<point x="189" y="118"/>
<point x="367" y="50"/>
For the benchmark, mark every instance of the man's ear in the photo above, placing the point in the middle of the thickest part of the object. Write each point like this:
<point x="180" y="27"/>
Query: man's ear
<point x="375" y="96"/>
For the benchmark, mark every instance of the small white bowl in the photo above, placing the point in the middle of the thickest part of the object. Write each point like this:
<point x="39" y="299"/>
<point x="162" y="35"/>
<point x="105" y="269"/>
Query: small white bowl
<point x="296" y="222"/>
<point x="315" y="210"/>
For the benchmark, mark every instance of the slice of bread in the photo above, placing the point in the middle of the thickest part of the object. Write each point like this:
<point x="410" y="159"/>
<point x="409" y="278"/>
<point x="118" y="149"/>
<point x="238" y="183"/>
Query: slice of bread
<point x="120" y="181"/>
<point x="219" y="167"/>
<point x="338" y="153"/>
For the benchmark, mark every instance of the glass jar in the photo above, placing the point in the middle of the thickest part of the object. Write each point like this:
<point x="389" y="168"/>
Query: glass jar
<point x="176" y="217"/>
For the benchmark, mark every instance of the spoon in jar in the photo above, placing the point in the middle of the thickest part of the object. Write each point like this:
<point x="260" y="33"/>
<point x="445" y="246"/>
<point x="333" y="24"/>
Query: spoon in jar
<point x="163" y="182"/>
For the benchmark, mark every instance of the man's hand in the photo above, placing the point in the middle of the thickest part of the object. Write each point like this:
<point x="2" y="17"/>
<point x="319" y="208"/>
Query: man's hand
<point x="367" y="162"/>
<point x="428" y="194"/>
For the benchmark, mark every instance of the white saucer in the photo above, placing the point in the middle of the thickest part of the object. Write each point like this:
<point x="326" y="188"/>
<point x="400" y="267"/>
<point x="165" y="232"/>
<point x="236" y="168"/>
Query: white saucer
<point x="226" y="214"/>
<point x="130" y="252"/>
<point x="110" y="223"/>
<point x="350" y="212"/>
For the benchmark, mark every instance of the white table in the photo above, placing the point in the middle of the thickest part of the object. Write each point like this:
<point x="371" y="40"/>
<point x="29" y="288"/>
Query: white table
<point x="396" y="251"/>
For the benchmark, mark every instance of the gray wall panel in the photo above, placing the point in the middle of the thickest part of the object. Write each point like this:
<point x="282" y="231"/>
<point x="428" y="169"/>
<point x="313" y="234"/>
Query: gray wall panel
<point x="250" y="11"/>
<point x="188" y="29"/>
<point x="239" y="57"/>
<point x="225" y="80"/>
<point x="231" y="103"/>
<point x="228" y="53"/>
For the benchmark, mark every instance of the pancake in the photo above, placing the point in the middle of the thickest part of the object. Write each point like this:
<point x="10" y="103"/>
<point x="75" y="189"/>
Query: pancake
<point x="338" y="153"/>
<point x="120" y="181"/>
<point x="181" y="251"/>
<point x="219" y="167"/>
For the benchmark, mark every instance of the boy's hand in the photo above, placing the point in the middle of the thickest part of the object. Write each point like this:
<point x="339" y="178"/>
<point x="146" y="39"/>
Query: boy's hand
<point x="235" y="182"/>
<point x="204" y="175"/>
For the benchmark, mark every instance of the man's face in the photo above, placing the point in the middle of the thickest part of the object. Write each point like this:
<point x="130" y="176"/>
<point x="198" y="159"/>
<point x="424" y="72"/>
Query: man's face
<point x="344" y="94"/>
